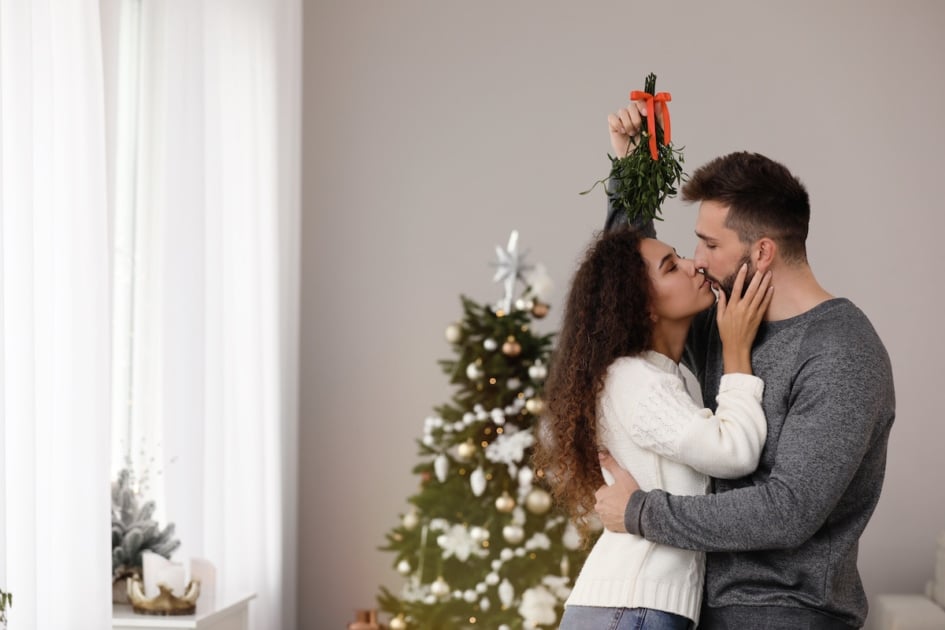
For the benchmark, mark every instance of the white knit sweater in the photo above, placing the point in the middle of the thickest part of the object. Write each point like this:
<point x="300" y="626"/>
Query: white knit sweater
<point x="648" y="421"/>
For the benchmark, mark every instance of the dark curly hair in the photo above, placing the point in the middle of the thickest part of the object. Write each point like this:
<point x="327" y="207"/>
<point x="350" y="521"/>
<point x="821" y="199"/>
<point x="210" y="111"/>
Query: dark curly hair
<point x="606" y="317"/>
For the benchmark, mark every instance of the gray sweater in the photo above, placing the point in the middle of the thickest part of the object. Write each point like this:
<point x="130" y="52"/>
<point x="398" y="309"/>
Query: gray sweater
<point x="782" y="542"/>
<point x="786" y="535"/>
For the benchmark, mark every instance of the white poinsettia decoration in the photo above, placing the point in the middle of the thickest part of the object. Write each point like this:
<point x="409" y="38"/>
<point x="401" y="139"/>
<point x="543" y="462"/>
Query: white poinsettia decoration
<point x="458" y="541"/>
<point x="538" y="607"/>
<point x="509" y="448"/>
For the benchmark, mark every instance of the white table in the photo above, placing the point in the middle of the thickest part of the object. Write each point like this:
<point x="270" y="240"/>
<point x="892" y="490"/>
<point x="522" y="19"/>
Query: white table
<point x="235" y="616"/>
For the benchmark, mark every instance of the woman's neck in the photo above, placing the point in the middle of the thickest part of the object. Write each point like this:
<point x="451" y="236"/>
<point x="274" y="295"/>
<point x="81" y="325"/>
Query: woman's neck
<point x="669" y="338"/>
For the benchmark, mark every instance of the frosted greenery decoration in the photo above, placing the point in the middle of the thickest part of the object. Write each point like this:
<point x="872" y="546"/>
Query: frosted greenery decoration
<point x="6" y="601"/>
<point x="133" y="529"/>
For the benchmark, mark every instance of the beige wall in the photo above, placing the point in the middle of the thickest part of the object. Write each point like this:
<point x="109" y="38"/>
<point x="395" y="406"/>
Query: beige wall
<point x="432" y="129"/>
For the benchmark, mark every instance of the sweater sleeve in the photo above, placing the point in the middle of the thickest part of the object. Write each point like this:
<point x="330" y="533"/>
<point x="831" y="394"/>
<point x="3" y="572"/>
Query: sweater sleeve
<point x="665" y="420"/>
<point x="841" y="407"/>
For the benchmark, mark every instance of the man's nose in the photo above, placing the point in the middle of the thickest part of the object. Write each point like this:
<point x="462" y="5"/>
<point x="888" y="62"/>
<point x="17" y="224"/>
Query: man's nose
<point x="699" y="257"/>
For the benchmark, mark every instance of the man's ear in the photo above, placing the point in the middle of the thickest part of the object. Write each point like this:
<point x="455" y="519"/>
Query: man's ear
<point x="764" y="253"/>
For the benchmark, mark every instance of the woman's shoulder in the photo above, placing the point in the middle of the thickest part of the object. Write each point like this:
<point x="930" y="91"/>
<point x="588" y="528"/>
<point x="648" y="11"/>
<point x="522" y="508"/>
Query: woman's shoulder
<point x="639" y="369"/>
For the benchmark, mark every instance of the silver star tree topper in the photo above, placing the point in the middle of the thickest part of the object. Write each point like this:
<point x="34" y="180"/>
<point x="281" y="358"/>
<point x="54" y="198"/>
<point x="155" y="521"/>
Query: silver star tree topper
<point x="509" y="269"/>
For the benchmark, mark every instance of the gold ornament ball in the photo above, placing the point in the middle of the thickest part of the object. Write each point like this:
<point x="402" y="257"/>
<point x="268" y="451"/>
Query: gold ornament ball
<point x="511" y="348"/>
<point x="505" y="503"/>
<point x="466" y="450"/>
<point x="535" y="405"/>
<point x="539" y="309"/>
<point x="454" y="332"/>
<point x="538" y="501"/>
<point x="398" y="623"/>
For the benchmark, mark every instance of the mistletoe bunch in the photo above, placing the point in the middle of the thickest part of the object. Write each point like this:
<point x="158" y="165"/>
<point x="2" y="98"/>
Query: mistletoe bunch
<point x="642" y="179"/>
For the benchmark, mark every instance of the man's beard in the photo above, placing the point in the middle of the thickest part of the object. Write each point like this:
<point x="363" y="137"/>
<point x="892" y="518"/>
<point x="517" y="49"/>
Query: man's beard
<point x="728" y="284"/>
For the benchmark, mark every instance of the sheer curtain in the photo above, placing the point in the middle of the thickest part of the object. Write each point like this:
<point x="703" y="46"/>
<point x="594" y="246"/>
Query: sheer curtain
<point x="54" y="317"/>
<point x="215" y="189"/>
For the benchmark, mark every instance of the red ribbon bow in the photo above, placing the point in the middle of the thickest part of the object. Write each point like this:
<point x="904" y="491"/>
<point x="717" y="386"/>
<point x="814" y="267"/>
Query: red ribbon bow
<point x="654" y="104"/>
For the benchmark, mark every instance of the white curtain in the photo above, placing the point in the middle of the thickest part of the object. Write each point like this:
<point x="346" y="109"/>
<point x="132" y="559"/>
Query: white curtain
<point x="215" y="188"/>
<point x="54" y="317"/>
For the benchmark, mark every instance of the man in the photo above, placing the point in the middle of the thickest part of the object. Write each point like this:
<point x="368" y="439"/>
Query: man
<point x="781" y="542"/>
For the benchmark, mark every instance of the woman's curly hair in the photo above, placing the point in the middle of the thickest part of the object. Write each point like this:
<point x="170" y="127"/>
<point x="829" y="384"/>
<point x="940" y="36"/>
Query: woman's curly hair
<point x="606" y="317"/>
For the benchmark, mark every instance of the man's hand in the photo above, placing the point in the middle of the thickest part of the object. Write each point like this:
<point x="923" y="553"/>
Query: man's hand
<point x="612" y="500"/>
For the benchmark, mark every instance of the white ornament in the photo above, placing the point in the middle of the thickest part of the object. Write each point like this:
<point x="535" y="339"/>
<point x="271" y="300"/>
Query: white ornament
<point x="506" y="554"/>
<point x="513" y="383"/>
<point x="479" y="534"/>
<point x="513" y="534"/>
<point x="498" y="417"/>
<point x="429" y="600"/>
<point x="492" y="578"/>
<point x="403" y="567"/>
<point x="518" y="516"/>
<point x="571" y="538"/>
<point x="441" y="467"/>
<point x="525" y="476"/>
<point x="477" y="481"/>
<point x="490" y="344"/>
<point x="469" y="417"/>
<point x="428" y="440"/>
<point x="538" y="372"/>
<point x="506" y="593"/>
<point x="484" y="603"/>
<point x="440" y="588"/>
<point x="474" y="372"/>
<point x="481" y="588"/>
<point x="470" y="596"/>
<point x="411" y="519"/>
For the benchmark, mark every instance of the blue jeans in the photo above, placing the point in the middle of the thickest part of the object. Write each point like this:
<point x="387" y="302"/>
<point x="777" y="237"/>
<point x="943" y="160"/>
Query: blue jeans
<point x="600" y="618"/>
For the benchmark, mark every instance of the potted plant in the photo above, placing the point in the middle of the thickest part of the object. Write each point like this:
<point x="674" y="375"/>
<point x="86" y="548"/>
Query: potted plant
<point x="6" y="601"/>
<point x="134" y="532"/>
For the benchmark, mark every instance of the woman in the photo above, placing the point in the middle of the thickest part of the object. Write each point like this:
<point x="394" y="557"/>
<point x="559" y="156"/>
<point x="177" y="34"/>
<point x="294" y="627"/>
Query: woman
<point x="615" y="384"/>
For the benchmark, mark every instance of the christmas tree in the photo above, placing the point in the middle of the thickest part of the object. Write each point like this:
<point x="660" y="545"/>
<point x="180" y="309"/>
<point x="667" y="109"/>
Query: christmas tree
<point x="481" y="544"/>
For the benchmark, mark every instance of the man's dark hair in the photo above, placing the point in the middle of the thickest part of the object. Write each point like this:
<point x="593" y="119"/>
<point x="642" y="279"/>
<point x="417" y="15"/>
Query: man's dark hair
<point x="763" y="197"/>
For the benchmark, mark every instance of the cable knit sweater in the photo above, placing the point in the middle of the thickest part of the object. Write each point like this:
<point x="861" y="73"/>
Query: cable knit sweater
<point x="648" y="421"/>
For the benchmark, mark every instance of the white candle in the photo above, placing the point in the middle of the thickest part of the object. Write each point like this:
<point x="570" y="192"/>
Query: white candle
<point x="173" y="576"/>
